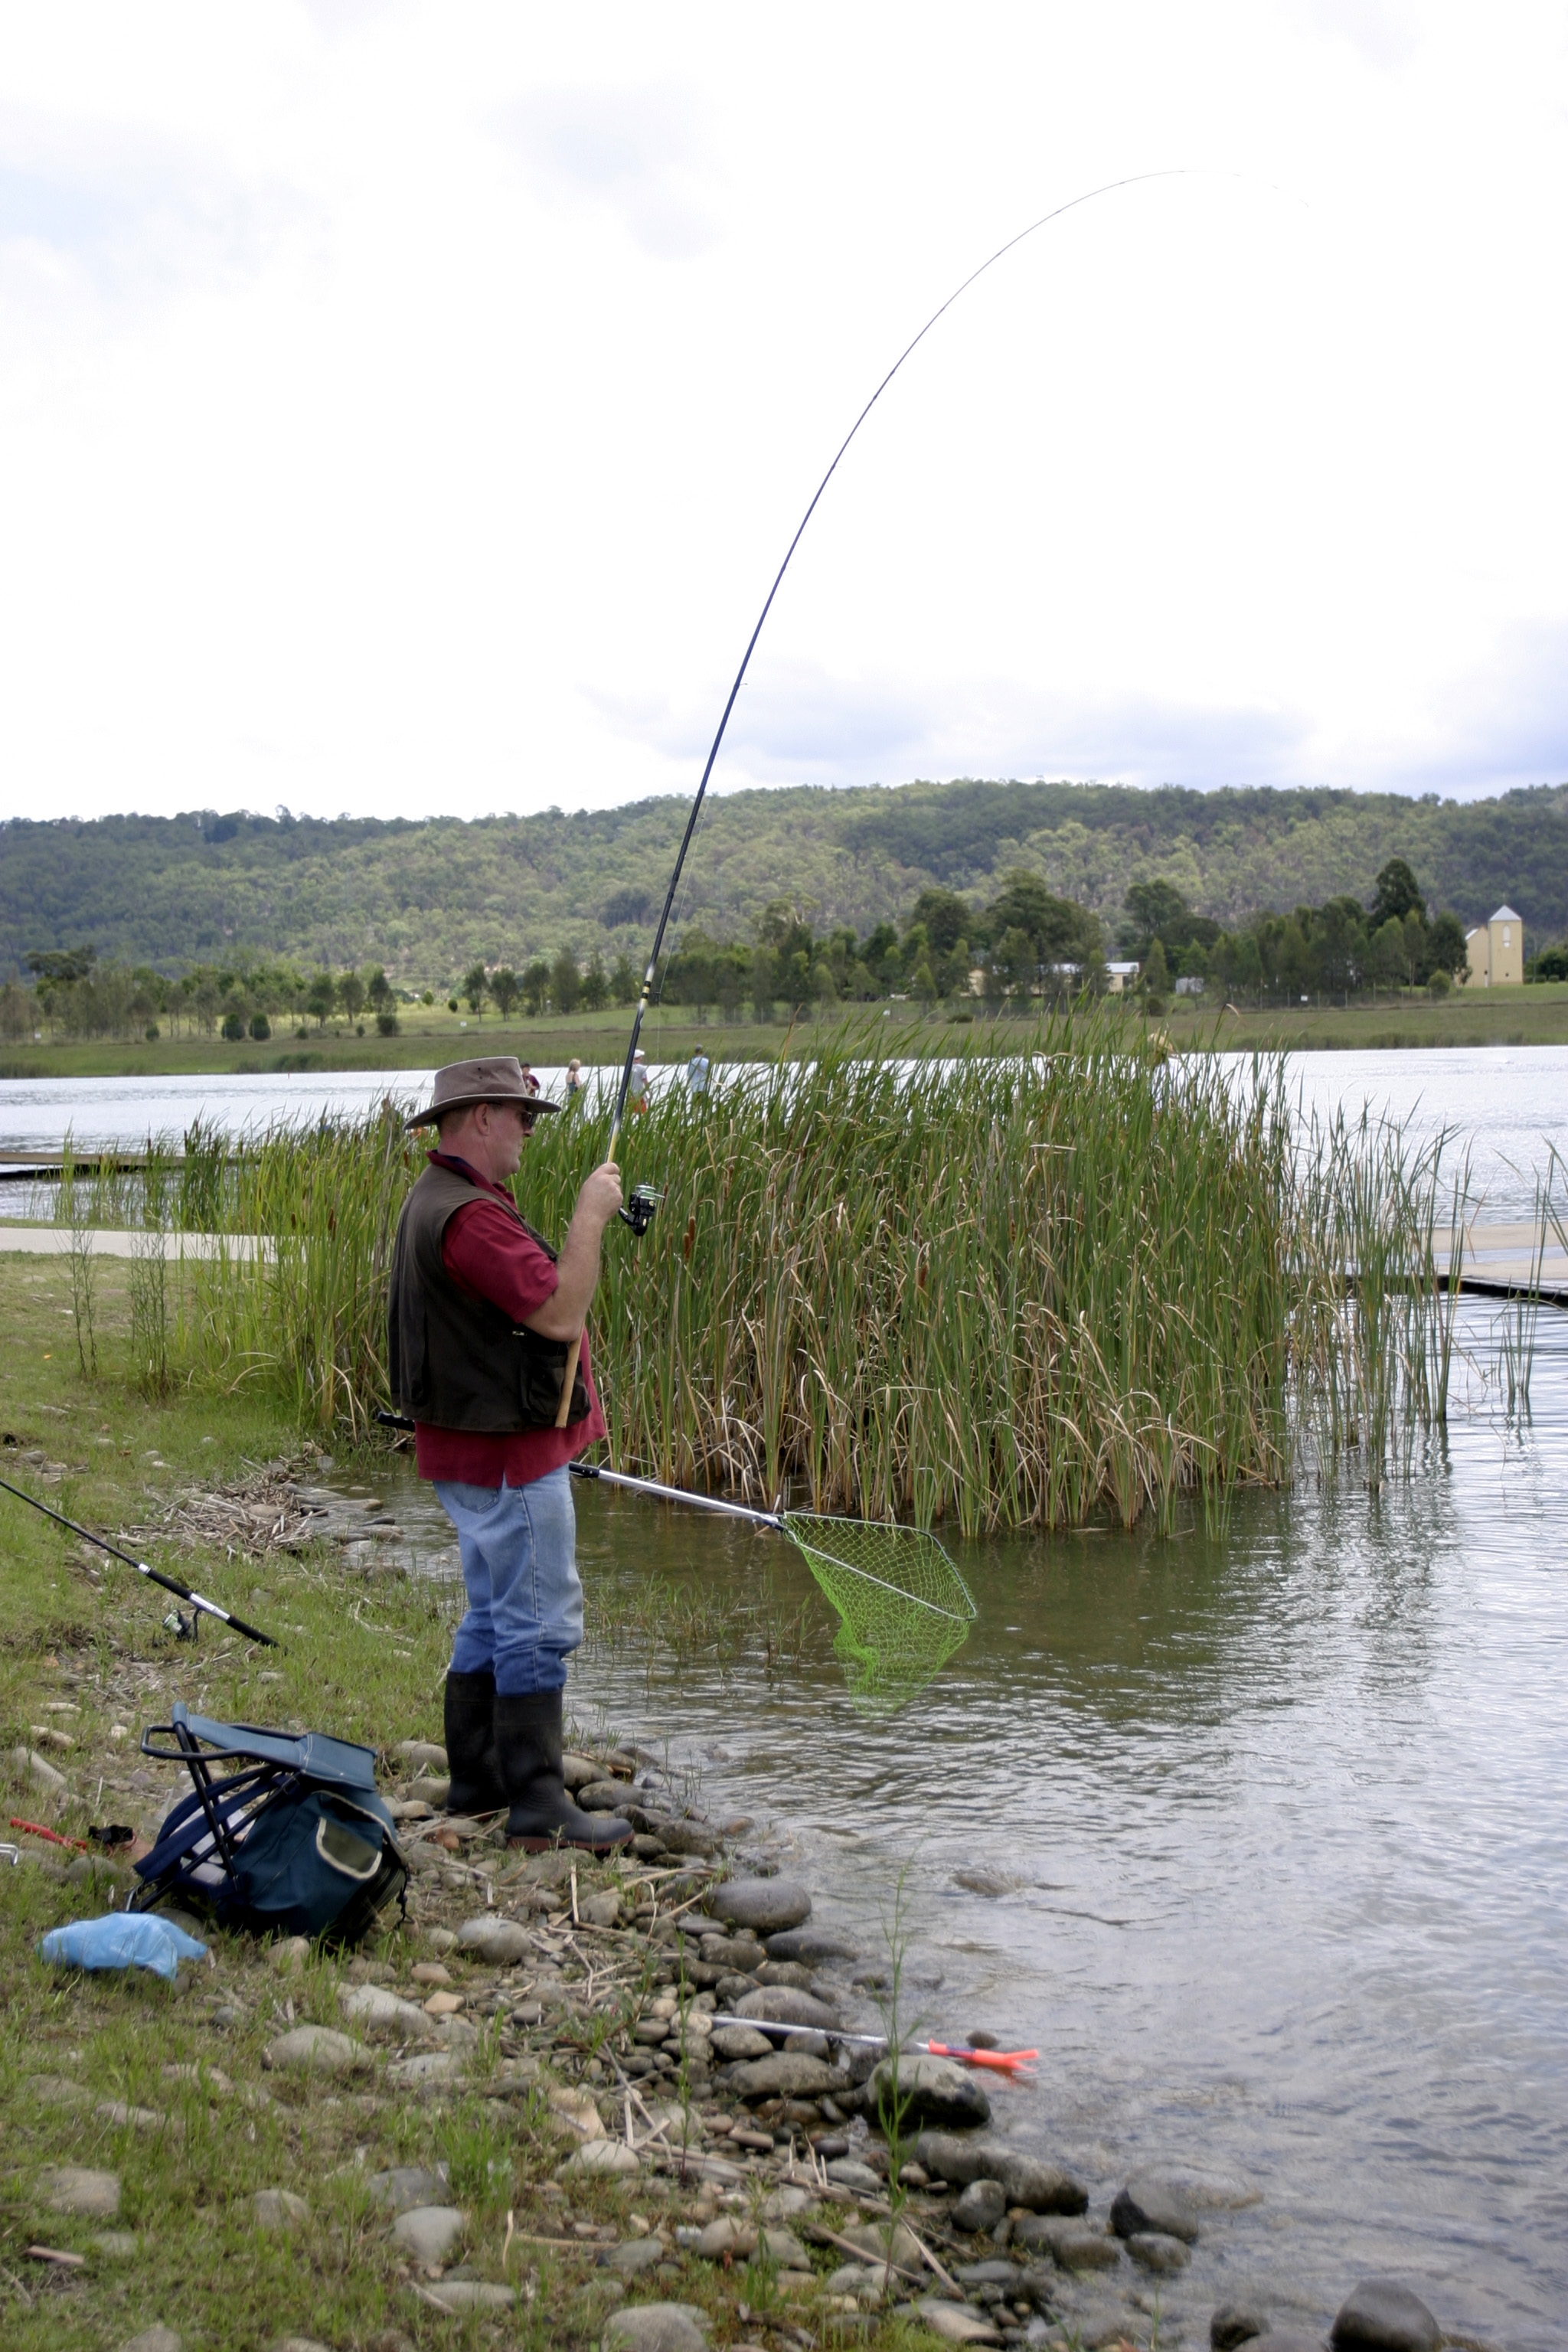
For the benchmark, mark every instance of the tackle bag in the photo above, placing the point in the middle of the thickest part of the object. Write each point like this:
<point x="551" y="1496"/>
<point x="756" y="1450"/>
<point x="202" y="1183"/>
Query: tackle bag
<point x="294" y="1841"/>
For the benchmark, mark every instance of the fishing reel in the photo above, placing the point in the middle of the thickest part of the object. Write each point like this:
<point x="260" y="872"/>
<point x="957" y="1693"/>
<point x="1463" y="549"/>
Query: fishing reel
<point x="183" y="1629"/>
<point x="638" y="1210"/>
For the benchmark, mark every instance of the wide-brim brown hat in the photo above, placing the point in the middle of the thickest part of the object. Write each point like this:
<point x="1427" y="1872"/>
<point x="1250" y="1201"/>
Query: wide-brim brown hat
<point x="462" y="1084"/>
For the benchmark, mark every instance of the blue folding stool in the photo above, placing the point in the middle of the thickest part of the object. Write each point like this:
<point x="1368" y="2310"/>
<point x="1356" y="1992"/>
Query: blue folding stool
<point x="296" y="1842"/>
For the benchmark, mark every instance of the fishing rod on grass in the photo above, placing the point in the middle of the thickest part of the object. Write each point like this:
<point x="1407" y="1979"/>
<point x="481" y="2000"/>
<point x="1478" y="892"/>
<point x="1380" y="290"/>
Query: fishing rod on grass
<point x="640" y="1210"/>
<point x="200" y="1606"/>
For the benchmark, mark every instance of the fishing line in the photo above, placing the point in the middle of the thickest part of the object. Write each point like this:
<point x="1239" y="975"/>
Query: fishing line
<point x="640" y="1210"/>
<point x="1109" y="187"/>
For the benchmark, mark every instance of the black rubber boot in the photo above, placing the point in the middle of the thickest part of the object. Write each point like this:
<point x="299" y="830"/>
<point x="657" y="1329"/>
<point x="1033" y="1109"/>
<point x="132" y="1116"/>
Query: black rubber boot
<point x="475" y="1782"/>
<point x="528" y="1743"/>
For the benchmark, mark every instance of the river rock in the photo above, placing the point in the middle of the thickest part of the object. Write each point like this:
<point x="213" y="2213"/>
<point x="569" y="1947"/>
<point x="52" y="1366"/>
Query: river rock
<point x="471" y="2294"/>
<point x="786" y="1972"/>
<point x="1381" y="2316"/>
<point x="633" y="2256"/>
<point x="599" y="1797"/>
<point x="725" y="2236"/>
<point x="980" y="2207"/>
<point x="380" y="2010"/>
<point x="154" y="2339"/>
<point x="657" y="2327"/>
<point x="493" y="1938"/>
<point x="935" y="2090"/>
<point x="1152" y="2250"/>
<point x="871" y="2239"/>
<point x="277" y="2209"/>
<point x="1028" y="2179"/>
<point x="764" y="1904"/>
<point x="1069" y="2243"/>
<point x="784" y="2005"/>
<point x="790" y="2075"/>
<point x="809" y="1944"/>
<point x="689" y="1839"/>
<point x="1153" y="2202"/>
<point x="422" y="1751"/>
<point x="433" y="2070"/>
<point x="611" y="2156"/>
<point x="955" y="2323"/>
<point x="848" y="2174"/>
<point x="580" y="1772"/>
<point x="995" y="2272"/>
<point x="57" y="2091"/>
<point x="40" y="1771"/>
<point x="866" y="2282"/>
<point x="316" y="2050"/>
<point x="732" y="2042"/>
<point x="405" y="2186"/>
<point x="1233" y="2325"/>
<point x="77" y="2189"/>
<point x="741" y="1953"/>
<point x="429" y="2231"/>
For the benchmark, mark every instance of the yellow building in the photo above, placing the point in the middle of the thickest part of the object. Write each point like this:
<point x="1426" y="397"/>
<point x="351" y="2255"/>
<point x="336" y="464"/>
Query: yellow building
<point x="1495" y="951"/>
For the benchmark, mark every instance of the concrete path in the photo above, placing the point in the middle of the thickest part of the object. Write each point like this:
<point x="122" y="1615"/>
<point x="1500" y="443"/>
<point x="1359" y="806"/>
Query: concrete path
<point x="55" y="1240"/>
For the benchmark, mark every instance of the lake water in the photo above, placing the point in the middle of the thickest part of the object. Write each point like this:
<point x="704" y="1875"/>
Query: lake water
<point x="1275" y="1827"/>
<point x="1275" y="1824"/>
<point x="1507" y="1104"/>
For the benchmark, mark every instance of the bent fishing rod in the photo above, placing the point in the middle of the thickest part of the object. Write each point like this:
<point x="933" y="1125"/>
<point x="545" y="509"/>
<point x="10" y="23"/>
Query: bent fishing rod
<point x="639" y="1212"/>
<point x="202" y="1606"/>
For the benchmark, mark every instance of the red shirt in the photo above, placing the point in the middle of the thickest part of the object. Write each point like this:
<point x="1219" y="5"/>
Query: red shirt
<point x="486" y="1253"/>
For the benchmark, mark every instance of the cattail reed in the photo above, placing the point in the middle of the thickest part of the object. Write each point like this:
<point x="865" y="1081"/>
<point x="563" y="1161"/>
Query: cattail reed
<point x="996" y="1291"/>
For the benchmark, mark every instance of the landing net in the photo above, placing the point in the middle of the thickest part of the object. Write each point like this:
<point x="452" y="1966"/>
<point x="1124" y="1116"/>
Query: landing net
<point x="903" y="1609"/>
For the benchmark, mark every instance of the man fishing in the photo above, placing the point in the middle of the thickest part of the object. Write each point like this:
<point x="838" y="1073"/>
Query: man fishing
<point x="482" y="1315"/>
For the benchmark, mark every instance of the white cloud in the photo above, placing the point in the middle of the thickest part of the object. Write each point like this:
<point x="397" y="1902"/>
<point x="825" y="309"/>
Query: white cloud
<point x="405" y="409"/>
<point x="637" y="153"/>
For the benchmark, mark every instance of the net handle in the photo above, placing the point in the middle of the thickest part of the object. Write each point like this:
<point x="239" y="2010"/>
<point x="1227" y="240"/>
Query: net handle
<point x="852" y="1568"/>
<point x="679" y="1495"/>
<point x="782" y="1523"/>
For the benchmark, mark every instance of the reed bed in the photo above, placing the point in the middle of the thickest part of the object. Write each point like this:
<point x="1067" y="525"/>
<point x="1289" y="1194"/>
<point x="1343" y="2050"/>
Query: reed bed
<point x="993" y="1292"/>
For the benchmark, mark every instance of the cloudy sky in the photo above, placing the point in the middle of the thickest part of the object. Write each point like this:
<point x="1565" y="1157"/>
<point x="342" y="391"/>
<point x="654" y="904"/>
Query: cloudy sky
<point x="404" y="408"/>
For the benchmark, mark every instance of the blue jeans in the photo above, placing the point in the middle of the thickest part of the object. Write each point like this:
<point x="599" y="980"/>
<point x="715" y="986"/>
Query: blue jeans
<point x="525" y="1603"/>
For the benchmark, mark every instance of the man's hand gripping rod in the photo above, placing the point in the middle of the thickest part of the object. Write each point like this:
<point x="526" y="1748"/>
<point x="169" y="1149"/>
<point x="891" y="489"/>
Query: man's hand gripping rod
<point x="638" y="1214"/>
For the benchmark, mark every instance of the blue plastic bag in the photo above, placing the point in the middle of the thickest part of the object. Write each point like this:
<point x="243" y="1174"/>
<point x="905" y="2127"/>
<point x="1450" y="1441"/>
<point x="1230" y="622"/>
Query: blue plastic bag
<point x="126" y="1940"/>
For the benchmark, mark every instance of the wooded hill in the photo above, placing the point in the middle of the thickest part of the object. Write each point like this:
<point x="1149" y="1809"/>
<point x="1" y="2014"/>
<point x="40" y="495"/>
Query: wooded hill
<point x="426" y="899"/>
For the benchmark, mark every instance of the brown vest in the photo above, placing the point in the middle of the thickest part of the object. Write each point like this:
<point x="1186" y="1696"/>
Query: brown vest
<point x="455" y="1361"/>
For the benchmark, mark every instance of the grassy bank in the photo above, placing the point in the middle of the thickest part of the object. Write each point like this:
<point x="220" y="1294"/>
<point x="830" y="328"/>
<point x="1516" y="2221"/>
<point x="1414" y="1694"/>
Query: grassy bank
<point x="167" y="2087"/>
<point x="1537" y="1015"/>
<point x="1018" y="1291"/>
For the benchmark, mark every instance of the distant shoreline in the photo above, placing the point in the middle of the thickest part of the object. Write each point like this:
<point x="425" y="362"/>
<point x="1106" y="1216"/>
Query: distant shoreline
<point x="1532" y="1016"/>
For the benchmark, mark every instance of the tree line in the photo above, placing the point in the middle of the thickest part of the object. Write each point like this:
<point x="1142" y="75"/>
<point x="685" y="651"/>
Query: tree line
<point x="73" y="994"/>
<point x="1342" y="949"/>
<point x="1024" y="946"/>
<point x="427" y="899"/>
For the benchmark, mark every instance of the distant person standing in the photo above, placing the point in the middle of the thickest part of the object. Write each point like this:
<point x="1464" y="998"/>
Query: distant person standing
<point x="573" y="1078"/>
<point x="636" y="1093"/>
<point x="697" y="1075"/>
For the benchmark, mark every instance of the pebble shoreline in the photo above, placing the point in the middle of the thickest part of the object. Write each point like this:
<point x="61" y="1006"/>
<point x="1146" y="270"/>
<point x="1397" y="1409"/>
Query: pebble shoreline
<point x="584" y="1993"/>
<point x="775" y="2122"/>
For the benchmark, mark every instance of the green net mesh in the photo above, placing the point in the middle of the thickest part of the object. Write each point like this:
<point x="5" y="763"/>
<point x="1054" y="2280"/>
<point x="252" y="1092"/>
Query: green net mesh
<point x="903" y="1609"/>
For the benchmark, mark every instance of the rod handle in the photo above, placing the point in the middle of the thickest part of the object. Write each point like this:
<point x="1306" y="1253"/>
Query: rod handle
<point x="568" y="1377"/>
<point x="575" y="1349"/>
